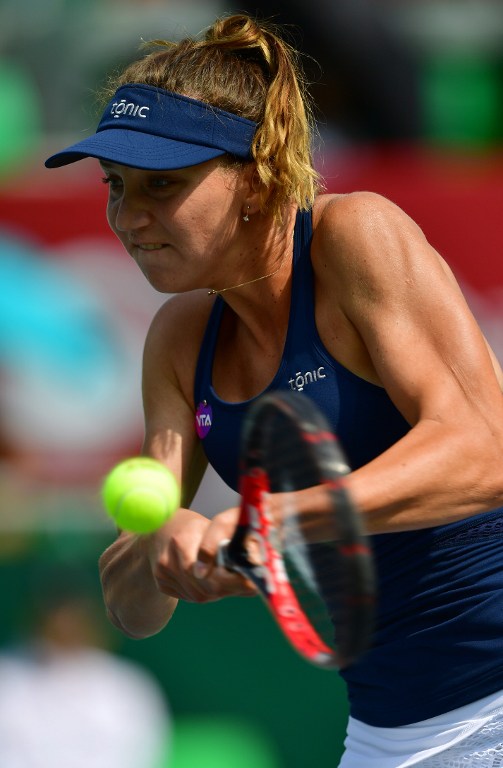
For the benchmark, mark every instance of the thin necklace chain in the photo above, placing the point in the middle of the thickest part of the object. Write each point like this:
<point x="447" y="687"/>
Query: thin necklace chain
<point x="214" y="291"/>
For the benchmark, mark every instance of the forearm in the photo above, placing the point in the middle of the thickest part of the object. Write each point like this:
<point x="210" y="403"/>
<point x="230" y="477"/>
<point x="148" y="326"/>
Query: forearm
<point x="134" y="603"/>
<point x="435" y="475"/>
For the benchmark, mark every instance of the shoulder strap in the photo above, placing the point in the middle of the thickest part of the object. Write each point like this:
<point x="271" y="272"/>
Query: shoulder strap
<point x="202" y="379"/>
<point x="302" y="309"/>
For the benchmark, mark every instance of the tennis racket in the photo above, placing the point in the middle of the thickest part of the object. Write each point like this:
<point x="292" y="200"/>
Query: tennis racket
<point x="304" y="550"/>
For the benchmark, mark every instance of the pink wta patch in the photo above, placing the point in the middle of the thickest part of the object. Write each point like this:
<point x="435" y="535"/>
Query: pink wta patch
<point x="204" y="417"/>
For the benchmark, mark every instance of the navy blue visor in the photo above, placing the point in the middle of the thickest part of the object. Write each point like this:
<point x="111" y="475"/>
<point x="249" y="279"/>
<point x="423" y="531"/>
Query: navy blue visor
<point x="154" y="129"/>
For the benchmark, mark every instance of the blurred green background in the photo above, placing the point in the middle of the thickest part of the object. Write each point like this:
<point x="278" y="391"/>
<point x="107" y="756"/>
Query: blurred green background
<point x="409" y="101"/>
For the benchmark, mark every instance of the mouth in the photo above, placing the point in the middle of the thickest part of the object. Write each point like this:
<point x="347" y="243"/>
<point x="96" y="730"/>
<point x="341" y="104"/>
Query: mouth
<point x="149" y="246"/>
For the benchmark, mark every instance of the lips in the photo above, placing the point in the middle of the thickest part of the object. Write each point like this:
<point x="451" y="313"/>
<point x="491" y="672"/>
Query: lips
<point x="149" y="246"/>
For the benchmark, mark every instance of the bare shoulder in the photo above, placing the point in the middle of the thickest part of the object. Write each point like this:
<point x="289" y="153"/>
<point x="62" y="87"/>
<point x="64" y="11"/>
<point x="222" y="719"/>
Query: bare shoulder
<point x="358" y="202"/>
<point x="361" y="219"/>
<point x="175" y="336"/>
<point x="182" y="316"/>
<point x="363" y="235"/>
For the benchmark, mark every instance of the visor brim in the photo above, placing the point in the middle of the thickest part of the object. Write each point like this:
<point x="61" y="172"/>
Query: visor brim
<point x="135" y="149"/>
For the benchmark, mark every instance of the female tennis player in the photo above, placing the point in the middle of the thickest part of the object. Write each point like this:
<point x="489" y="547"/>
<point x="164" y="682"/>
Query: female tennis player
<point x="205" y="148"/>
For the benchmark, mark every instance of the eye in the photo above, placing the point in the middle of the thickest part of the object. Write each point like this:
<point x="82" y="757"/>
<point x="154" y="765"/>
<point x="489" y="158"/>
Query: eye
<point x="112" y="181"/>
<point x="160" y="182"/>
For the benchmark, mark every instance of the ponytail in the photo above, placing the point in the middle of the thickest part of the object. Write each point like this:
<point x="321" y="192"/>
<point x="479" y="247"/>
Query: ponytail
<point x="244" y="66"/>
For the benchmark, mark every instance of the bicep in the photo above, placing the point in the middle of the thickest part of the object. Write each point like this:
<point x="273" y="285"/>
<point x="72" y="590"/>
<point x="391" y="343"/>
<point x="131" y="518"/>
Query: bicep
<point x="173" y="442"/>
<point x="400" y="307"/>
<point x="170" y="435"/>
<point x="424" y="343"/>
<point x="426" y="347"/>
<point x="449" y="376"/>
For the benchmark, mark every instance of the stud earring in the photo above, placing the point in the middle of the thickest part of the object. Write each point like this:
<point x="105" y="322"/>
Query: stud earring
<point x="246" y="217"/>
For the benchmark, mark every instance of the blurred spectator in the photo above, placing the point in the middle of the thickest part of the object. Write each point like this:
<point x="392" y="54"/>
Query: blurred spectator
<point x="366" y="85"/>
<point x="66" y="45"/>
<point x="65" y="700"/>
<point x="72" y="324"/>
<point x="369" y="61"/>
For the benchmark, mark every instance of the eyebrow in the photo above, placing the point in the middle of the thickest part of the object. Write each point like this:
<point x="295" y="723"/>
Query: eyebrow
<point x="107" y="165"/>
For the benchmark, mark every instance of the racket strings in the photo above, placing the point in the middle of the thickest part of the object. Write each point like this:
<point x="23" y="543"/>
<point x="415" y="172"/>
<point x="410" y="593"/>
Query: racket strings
<point x="313" y="573"/>
<point x="315" y="569"/>
<point x="326" y="576"/>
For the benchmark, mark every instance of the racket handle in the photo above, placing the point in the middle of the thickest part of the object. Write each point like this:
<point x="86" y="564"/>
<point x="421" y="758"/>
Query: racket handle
<point x="223" y="558"/>
<point x="235" y="559"/>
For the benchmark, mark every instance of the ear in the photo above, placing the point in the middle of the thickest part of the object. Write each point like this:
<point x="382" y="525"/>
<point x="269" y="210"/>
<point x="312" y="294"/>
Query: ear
<point x="252" y="190"/>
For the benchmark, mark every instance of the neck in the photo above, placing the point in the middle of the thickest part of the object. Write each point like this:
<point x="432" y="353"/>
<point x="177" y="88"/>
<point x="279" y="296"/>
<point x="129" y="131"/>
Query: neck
<point x="286" y="248"/>
<point x="218" y="291"/>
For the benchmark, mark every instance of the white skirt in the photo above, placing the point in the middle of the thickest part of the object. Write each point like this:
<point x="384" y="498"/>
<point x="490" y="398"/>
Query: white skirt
<point x="465" y="737"/>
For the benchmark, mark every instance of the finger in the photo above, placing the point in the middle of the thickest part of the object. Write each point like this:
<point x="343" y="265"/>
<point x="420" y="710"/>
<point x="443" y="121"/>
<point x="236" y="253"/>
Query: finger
<point x="219" y="580"/>
<point x="221" y="584"/>
<point x="174" y="575"/>
<point x="221" y="529"/>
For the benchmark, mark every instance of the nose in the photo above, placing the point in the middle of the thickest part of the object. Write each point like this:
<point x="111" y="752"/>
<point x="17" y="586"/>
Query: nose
<point x="128" y="213"/>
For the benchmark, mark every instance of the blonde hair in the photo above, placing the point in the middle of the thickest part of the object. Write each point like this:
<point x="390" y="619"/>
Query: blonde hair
<point x="244" y="66"/>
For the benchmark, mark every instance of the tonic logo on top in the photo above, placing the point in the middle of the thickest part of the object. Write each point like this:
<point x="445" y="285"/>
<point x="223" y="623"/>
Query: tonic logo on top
<point x="124" y="107"/>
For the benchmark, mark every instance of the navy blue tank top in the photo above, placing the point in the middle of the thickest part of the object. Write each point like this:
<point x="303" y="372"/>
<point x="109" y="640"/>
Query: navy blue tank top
<point x="439" y="638"/>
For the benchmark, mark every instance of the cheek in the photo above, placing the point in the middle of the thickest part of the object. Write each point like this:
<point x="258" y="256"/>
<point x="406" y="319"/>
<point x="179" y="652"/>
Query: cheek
<point x="111" y="217"/>
<point x="216" y="218"/>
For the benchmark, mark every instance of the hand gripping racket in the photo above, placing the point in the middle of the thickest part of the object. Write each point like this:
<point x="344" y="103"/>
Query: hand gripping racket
<point x="305" y="552"/>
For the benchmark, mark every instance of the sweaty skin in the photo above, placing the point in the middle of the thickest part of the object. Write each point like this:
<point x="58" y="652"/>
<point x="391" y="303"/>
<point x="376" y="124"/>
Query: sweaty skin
<point x="387" y="308"/>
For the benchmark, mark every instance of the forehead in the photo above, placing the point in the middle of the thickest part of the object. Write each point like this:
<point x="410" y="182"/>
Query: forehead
<point x="119" y="168"/>
<point x="201" y="170"/>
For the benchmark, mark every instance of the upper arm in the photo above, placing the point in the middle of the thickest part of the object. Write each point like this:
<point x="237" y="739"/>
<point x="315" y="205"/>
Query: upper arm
<point x="395" y="290"/>
<point x="169" y="362"/>
<point x="392" y="312"/>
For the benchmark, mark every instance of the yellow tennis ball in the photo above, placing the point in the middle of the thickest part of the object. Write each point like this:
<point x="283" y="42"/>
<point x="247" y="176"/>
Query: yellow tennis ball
<point x="140" y="494"/>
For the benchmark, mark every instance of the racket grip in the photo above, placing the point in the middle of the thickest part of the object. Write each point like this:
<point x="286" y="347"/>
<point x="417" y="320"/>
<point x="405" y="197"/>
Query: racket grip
<point x="223" y="558"/>
<point x="234" y="560"/>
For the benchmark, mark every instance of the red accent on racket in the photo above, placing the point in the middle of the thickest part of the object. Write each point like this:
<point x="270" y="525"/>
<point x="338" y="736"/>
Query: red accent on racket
<point x="306" y="553"/>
